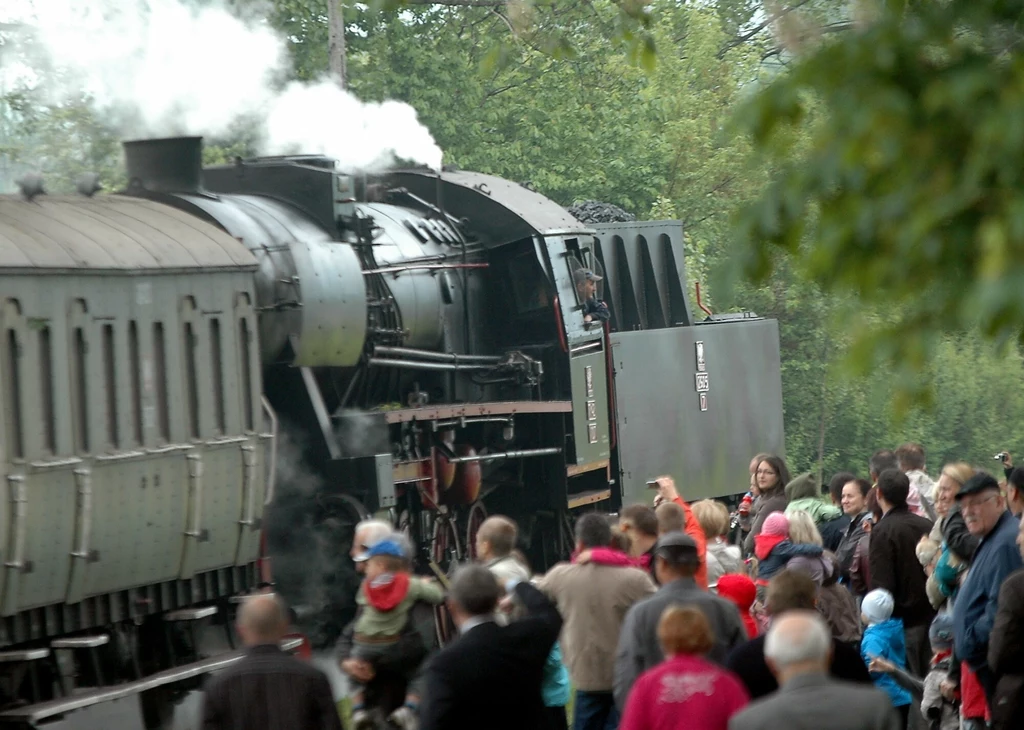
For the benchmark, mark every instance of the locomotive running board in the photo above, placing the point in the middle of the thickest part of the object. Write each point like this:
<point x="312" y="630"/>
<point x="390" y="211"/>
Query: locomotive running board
<point x="43" y="712"/>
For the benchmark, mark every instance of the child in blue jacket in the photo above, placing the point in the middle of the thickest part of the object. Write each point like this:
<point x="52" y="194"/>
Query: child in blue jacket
<point x="883" y="637"/>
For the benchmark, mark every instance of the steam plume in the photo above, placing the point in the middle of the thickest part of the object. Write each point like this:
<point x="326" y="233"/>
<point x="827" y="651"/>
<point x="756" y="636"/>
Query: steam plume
<point x="164" y="67"/>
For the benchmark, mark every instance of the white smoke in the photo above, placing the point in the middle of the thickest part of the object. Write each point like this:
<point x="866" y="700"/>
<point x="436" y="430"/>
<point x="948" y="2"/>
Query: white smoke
<point x="163" y="68"/>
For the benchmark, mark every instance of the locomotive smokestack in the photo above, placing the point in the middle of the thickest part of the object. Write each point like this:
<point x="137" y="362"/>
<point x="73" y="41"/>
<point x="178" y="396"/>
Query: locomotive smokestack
<point x="171" y="165"/>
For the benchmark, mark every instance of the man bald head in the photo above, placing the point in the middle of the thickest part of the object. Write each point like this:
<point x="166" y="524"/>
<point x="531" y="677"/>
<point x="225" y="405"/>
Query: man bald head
<point x="799" y="642"/>
<point x="262" y="619"/>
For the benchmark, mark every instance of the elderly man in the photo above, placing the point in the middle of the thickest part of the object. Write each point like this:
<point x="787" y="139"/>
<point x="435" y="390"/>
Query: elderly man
<point x="268" y="689"/>
<point x="676" y="562"/>
<point x="797" y="649"/>
<point x="974" y="612"/>
<point x="368" y="533"/>
<point x="594" y="600"/>
<point x="491" y="675"/>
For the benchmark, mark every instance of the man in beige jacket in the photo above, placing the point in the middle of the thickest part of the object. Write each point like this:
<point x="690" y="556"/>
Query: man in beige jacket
<point x="593" y="600"/>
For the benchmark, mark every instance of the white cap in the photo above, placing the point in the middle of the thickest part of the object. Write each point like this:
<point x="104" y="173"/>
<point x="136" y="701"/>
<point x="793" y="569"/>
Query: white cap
<point x="877" y="606"/>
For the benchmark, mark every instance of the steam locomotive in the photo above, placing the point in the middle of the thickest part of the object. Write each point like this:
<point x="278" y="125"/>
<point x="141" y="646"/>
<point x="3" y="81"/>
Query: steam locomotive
<point x="212" y="377"/>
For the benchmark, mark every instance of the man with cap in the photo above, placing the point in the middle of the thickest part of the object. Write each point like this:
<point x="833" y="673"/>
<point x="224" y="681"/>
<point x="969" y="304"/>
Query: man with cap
<point x="676" y="563"/>
<point x="984" y="509"/>
<point x="586" y="290"/>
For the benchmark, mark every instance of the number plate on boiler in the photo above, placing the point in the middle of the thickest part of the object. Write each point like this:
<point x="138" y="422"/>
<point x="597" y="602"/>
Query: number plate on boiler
<point x="702" y="382"/>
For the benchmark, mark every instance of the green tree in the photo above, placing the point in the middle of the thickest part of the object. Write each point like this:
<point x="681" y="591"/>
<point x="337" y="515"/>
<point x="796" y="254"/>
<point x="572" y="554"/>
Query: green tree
<point x="910" y="196"/>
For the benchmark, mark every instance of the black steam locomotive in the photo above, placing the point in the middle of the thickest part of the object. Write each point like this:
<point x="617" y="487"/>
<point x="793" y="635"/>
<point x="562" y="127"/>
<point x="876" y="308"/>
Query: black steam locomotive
<point x="214" y="376"/>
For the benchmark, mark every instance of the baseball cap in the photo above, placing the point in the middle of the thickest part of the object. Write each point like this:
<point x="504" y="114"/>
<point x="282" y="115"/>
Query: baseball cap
<point x="977" y="484"/>
<point x="385" y="547"/>
<point x="586" y="275"/>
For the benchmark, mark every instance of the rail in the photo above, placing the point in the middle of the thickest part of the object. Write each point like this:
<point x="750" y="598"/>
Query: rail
<point x="271" y="479"/>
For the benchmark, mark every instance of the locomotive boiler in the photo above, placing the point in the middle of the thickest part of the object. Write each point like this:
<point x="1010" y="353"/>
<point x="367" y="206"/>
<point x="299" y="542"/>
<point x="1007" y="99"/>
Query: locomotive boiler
<point x="209" y="379"/>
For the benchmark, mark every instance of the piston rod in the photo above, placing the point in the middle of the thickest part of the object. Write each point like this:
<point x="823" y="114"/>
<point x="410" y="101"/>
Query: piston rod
<point x="521" y="454"/>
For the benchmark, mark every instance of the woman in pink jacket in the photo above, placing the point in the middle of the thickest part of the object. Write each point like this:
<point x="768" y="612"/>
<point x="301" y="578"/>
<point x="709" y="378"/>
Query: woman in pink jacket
<point x="686" y="691"/>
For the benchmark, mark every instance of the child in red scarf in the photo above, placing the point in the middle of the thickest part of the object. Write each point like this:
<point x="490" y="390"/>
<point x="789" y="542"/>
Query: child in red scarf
<point x="384" y="599"/>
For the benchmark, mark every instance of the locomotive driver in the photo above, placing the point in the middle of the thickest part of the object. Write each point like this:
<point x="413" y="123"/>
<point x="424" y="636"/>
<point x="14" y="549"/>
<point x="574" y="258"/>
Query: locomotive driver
<point x="586" y="287"/>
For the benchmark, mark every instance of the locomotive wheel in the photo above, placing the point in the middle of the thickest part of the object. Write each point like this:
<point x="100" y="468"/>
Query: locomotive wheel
<point x="475" y="518"/>
<point x="445" y="552"/>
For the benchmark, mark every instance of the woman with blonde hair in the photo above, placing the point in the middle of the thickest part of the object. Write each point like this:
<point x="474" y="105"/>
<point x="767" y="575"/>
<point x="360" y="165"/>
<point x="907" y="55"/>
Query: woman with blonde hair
<point x="722" y="558"/>
<point x="686" y="691"/>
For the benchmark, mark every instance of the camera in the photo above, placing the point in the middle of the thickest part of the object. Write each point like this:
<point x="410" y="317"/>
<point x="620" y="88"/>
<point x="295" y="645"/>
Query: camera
<point x="1001" y="456"/>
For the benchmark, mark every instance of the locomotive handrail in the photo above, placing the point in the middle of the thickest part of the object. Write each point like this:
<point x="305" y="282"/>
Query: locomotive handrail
<point x="84" y="479"/>
<point x="248" y="477"/>
<point x="20" y="501"/>
<point x="431" y="355"/>
<point x="273" y="449"/>
<point x="520" y="454"/>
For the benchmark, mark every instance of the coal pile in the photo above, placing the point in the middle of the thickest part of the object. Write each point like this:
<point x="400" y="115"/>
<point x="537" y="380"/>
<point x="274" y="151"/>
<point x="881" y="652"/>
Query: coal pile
<point x="594" y="211"/>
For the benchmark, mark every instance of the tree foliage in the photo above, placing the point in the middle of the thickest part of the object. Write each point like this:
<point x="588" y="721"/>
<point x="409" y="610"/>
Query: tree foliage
<point x="911" y="193"/>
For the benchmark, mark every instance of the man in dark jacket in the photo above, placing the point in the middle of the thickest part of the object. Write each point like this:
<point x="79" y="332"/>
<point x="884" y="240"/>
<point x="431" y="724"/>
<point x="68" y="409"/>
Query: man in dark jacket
<point x="491" y="675"/>
<point x="1006" y="651"/>
<point x="676" y="561"/>
<point x="974" y="611"/>
<point x="268" y="689"/>
<point x="791" y="590"/>
<point x="892" y="557"/>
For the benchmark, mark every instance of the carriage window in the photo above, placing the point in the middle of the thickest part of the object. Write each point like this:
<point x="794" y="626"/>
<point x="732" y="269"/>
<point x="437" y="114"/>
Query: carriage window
<point x="80" y="390"/>
<point x="217" y="365"/>
<point x="191" y="381"/>
<point x="110" y="382"/>
<point x="135" y="368"/>
<point x="16" y="443"/>
<point x="160" y="357"/>
<point x="46" y="390"/>
<point x="244" y="344"/>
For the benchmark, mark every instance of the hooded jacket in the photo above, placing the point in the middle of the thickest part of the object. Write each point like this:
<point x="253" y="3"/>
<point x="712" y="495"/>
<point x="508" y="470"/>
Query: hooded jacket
<point x="776" y="557"/>
<point x="740" y="590"/>
<point x="386" y="600"/>
<point x="803" y="493"/>
<point x="885" y="640"/>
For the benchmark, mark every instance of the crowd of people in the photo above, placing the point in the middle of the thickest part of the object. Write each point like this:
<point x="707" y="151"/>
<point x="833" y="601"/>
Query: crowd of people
<point x="879" y="603"/>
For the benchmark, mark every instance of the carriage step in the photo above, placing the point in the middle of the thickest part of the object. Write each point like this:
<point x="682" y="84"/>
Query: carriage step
<point x="190" y="614"/>
<point x="23" y="655"/>
<point x="76" y="643"/>
<point x="80" y="642"/>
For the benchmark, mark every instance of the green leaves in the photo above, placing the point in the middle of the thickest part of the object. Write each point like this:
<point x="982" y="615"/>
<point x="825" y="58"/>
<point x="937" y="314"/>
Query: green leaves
<point x="909" y="192"/>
